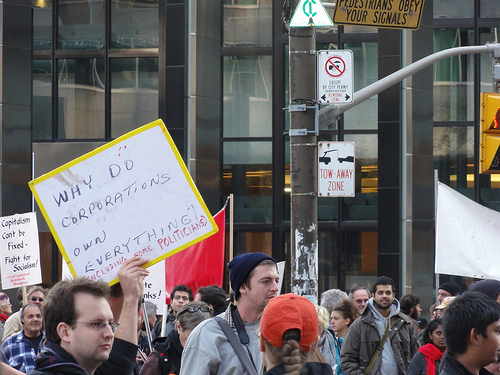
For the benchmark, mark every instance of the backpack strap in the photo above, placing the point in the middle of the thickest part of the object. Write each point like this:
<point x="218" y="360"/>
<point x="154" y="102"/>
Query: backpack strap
<point x="235" y="343"/>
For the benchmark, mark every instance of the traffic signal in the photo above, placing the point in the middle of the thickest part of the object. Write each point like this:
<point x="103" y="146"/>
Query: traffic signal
<point x="490" y="133"/>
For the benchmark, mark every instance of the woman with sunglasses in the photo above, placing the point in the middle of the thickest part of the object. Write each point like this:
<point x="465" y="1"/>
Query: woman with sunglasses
<point x="165" y="358"/>
<point x="428" y="357"/>
<point x="5" y="310"/>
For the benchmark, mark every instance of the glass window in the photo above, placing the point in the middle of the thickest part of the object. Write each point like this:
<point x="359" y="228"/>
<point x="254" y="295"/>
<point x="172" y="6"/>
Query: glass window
<point x="134" y="93"/>
<point x="134" y="24"/>
<point x="248" y="242"/>
<point x="81" y="24"/>
<point x="364" y="115"/>
<point x="248" y="22"/>
<point x="454" y="77"/>
<point x="247" y="96"/>
<point x="42" y="24"/>
<point x="360" y="260"/>
<point x="81" y="98"/>
<point x="248" y="175"/>
<point x="328" y="260"/>
<point x="42" y="99"/>
<point x="444" y="9"/>
<point x="364" y="205"/>
<point x="489" y="8"/>
<point x="454" y="157"/>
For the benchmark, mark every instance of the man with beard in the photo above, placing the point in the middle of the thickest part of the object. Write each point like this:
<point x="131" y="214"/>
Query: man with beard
<point x="383" y="340"/>
<point x="19" y="351"/>
<point x="254" y="280"/>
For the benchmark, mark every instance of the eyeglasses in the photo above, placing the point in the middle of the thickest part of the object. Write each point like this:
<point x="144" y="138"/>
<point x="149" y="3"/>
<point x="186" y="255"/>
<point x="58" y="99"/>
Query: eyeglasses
<point x="361" y="301"/>
<point x="98" y="326"/>
<point x="193" y="309"/>
<point x="6" y="304"/>
<point x="34" y="299"/>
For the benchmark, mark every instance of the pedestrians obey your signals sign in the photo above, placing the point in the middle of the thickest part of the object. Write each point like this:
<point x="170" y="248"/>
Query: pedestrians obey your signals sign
<point x="392" y="14"/>
<point x="335" y="76"/>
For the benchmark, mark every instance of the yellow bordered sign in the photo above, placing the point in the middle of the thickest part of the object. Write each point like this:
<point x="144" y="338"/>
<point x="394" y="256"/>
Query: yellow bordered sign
<point x="392" y="14"/>
<point x="132" y="196"/>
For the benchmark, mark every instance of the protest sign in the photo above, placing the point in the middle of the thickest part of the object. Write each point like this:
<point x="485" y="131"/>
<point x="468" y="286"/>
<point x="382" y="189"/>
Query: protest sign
<point x="132" y="196"/>
<point x="154" y="286"/>
<point x="19" y="250"/>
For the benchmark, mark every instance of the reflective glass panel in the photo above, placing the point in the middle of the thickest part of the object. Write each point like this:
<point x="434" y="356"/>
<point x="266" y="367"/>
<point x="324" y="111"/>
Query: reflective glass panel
<point x="248" y="175"/>
<point x="489" y="8"/>
<point x="364" y="205"/>
<point x="134" y="24"/>
<point x="454" y="157"/>
<point x="444" y="9"/>
<point x="364" y="115"/>
<point x="81" y="98"/>
<point x="81" y="24"/>
<point x="360" y="259"/>
<point x="247" y="242"/>
<point x="328" y="260"/>
<point x="487" y="35"/>
<point x="42" y="99"/>
<point x="454" y="77"/>
<point x="42" y="24"/>
<point x="248" y="22"/>
<point x="134" y="93"/>
<point x="247" y="96"/>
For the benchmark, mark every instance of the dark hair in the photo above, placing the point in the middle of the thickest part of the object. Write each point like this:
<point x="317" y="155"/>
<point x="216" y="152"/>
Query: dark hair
<point x="214" y="295"/>
<point x="433" y="325"/>
<point x="265" y="262"/>
<point x="25" y="307"/>
<point x="182" y="288"/>
<point x="347" y="309"/>
<point x="407" y="302"/>
<point x="384" y="280"/>
<point x="59" y="305"/>
<point x="471" y="310"/>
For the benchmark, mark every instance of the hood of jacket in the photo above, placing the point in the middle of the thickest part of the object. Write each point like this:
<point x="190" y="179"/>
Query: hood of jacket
<point x="55" y="360"/>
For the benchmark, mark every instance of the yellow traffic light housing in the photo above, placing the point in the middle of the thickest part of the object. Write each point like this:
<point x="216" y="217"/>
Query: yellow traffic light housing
<point x="490" y="133"/>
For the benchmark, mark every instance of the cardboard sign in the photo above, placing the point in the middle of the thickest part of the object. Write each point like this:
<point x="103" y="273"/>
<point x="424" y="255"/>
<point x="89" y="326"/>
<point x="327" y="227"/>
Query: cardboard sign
<point x="20" y="251"/>
<point x="154" y="286"/>
<point x="132" y="196"/>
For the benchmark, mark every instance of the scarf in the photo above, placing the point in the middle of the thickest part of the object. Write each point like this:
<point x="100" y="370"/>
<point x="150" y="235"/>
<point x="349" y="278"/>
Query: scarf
<point x="432" y="354"/>
<point x="3" y="317"/>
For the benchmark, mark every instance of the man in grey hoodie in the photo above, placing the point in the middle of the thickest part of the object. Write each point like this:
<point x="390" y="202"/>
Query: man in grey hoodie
<point x="363" y="353"/>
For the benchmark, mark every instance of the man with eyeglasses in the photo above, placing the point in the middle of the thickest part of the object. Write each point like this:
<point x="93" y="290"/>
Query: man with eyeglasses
<point x="13" y="325"/>
<point x="360" y="296"/>
<point x="79" y="328"/>
<point x="20" y="350"/>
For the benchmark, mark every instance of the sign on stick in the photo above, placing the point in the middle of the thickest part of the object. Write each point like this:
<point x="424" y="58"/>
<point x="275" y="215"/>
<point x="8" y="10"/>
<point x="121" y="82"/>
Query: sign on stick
<point x="132" y="196"/>
<point x="20" y="251"/>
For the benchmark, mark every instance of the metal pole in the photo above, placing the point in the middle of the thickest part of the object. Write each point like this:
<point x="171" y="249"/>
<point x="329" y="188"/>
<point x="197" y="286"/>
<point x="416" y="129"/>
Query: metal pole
<point x="303" y="163"/>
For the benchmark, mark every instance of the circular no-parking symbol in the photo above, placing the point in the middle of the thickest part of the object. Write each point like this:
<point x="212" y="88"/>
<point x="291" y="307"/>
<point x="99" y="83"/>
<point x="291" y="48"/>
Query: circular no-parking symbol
<point x="335" y="66"/>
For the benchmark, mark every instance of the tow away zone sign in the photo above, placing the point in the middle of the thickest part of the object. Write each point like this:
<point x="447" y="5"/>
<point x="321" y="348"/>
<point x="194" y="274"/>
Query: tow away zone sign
<point x="392" y="14"/>
<point x="336" y="169"/>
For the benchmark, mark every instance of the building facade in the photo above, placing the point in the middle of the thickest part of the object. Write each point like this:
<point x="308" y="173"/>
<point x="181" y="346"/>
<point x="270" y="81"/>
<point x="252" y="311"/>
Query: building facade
<point x="78" y="74"/>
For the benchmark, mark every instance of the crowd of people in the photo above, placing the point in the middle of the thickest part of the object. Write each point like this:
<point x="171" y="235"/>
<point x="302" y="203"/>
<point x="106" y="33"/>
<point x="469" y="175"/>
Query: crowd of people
<point x="86" y="327"/>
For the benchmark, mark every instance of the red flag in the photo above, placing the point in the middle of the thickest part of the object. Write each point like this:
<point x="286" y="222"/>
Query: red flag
<point x="199" y="265"/>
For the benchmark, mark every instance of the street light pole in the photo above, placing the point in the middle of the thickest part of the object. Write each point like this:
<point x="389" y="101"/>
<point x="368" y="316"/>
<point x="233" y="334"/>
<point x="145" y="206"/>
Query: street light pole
<point x="303" y="162"/>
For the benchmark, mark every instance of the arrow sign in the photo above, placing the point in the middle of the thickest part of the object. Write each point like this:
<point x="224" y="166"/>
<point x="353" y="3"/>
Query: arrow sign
<point x="310" y="13"/>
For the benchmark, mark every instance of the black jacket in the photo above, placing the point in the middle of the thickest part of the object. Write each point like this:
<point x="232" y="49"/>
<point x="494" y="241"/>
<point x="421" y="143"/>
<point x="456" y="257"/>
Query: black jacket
<point x="450" y="366"/>
<point x="166" y="356"/>
<point x="311" y="368"/>
<point x="54" y="360"/>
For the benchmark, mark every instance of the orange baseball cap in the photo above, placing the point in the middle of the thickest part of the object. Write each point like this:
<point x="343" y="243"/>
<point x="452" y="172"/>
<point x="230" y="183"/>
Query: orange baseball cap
<point x="290" y="311"/>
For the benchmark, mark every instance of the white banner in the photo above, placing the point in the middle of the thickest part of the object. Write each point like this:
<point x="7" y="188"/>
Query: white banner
<point x="19" y="250"/>
<point x="466" y="236"/>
